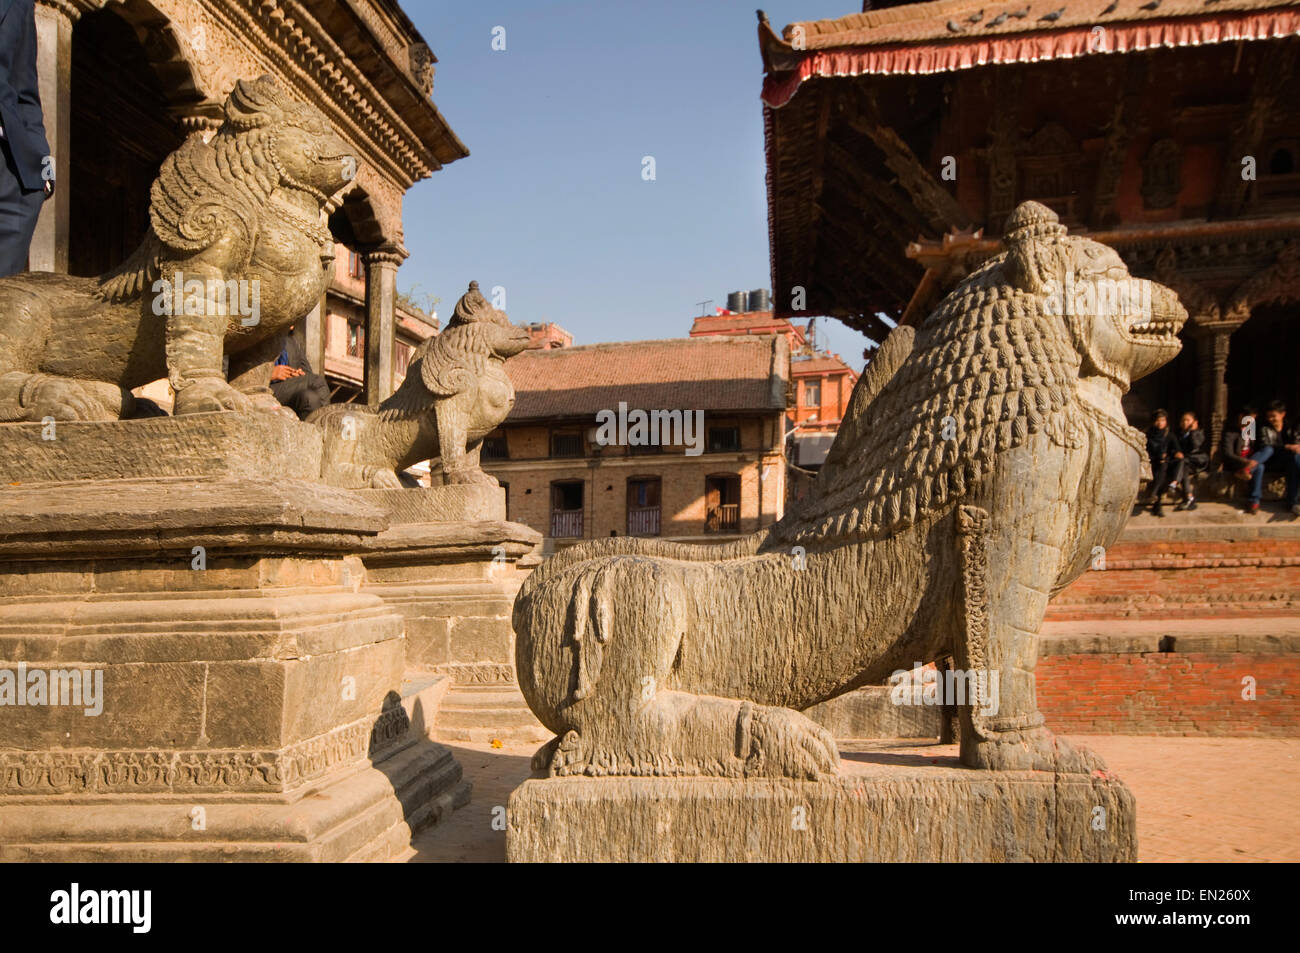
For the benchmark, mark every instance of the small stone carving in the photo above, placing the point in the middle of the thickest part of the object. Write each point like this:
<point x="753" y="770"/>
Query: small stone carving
<point x="237" y="251"/>
<point x="455" y="393"/>
<point x="983" y="459"/>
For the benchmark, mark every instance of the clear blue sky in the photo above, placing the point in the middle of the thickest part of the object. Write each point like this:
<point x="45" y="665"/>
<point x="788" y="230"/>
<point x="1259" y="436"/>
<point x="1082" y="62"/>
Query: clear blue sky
<point x="551" y="204"/>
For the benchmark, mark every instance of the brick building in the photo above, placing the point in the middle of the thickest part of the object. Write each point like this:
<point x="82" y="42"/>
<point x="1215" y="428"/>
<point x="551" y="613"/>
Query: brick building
<point x="547" y="336"/>
<point x="821" y="383"/>
<point x="344" y="329"/>
<point x="571" y="472"/>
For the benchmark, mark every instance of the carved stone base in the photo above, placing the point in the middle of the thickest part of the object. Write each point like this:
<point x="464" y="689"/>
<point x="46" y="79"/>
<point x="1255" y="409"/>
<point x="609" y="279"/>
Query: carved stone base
<point x="454" y="584"/>
<point x="366" y="814"/>
<point x="205" y="446"/>
<point x="249" y="700"/>
<point x="899" y="808"/>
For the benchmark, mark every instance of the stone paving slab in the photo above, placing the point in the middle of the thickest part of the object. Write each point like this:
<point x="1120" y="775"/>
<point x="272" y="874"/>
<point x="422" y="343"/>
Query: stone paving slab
<point x="1199" y="799"/>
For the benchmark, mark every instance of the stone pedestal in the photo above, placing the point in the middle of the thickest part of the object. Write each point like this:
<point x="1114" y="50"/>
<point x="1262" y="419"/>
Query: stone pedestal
<point x="454" y="583"/>
<point x="898" y="807"/>
<point x="250" y="689"/>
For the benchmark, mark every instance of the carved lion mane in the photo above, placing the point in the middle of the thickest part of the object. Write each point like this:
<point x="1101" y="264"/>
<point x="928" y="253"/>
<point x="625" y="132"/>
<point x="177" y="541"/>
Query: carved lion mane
<point x="207" y="190"/>
<point x="937" y="406"/>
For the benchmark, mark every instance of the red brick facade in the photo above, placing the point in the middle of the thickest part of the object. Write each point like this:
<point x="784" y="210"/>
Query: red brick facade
<point x="1170" y="693"/>
<point x="1159" y="642"/>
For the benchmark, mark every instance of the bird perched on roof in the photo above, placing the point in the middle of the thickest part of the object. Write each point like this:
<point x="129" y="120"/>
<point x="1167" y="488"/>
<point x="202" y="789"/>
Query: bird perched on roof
<point x="1020" y="14"/>
<point x="1111" y="8"/>
<point x="998" y="20"/>
<point x="954" y="27"/>
<point x="1150" y="6"/>
<point x="976" y="17"/>
<point x="1053" y="16"/>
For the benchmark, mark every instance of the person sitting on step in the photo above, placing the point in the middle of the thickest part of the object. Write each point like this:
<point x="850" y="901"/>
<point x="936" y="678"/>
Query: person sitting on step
<point x="1191" y="456"/>
<point x="1284" y="439"/>
<point x="1161" y="447"/>
<point x="1244" y="454"/>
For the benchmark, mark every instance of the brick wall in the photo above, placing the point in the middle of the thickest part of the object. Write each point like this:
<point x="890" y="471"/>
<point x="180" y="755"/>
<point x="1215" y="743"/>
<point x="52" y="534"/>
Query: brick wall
<point x="1158" y="641"/>
<point x="1170" y="693"/>
<point x="1199" y="578"/>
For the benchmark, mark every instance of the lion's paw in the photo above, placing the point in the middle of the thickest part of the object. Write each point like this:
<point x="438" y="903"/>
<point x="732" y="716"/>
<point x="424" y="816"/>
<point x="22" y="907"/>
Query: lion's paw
<point x="383" y="479"/>
<point x="1036" y="749"/>
<point x="65" y="400"/>
<point x="779" y="742"/>
<point x="210" y="395"/>
<point x="471" y="476"/>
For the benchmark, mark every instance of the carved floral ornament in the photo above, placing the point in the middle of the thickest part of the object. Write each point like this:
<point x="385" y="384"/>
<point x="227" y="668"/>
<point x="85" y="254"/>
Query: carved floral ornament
<point x="1202" y="307"/>
<point x="1278" y="283"/>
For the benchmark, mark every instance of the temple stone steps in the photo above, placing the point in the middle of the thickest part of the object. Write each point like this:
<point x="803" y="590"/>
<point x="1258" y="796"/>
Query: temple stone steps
<point x="488" y="713"/>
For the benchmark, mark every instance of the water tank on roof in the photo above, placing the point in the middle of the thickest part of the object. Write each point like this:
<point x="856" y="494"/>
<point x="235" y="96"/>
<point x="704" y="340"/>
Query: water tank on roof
<point x="760" y="300"/>
<point x="736" y="301"/>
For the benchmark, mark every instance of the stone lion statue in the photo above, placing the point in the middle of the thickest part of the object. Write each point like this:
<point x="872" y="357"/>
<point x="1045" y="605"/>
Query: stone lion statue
<point x="455" y="393"/>
<point x="236" y="252"/>
<point x="983" y="459"/>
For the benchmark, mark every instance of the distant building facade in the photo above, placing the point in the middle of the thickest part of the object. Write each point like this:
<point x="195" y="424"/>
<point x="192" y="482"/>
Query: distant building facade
<point x="343" y="327"/>
<point x="821" y="383"/>
<point x="576" y="466"/>
<point x="547" y="336"/>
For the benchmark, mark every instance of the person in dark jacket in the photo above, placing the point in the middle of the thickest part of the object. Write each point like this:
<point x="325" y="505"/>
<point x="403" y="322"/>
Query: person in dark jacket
<point x="26" y="169"/>
<point x="1161" y="447"/>
<point x="1284" y="439"/>
<point x="1244" y="454"/>
<point x="1192" y="457"/>
<point x="293" y="381"/>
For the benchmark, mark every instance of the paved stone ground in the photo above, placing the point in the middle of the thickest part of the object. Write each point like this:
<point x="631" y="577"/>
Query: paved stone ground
<point x="1199" y="799"/>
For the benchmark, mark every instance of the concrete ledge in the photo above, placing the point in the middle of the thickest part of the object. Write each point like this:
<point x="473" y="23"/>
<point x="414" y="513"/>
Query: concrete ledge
<point x="899" y="807"/>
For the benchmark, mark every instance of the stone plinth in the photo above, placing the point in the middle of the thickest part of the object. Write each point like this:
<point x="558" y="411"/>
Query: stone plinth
<point x="252" y="703"/>
<point x="454" y="584"/>
<point x="898" y="807"/>
<point x="439" y="504"/>
<point x="205" y="446"/>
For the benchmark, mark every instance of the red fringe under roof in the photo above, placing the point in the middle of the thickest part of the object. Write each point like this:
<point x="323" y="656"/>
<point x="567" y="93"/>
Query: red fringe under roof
<point x="779" y="89"/>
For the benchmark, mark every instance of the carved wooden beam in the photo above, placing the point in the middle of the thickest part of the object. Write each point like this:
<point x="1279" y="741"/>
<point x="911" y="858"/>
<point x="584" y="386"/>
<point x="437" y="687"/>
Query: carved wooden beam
<point x="942" y="211"/>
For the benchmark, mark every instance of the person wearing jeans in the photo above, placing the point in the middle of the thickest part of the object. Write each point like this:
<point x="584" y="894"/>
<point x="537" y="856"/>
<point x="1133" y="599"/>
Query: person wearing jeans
<point x="1284" y="440"/>
<point x="1244" y="455"/>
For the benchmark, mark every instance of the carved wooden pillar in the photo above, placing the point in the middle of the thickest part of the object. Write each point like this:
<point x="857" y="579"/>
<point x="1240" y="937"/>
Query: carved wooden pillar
<point x="381" y="307"/>
<point x="54" y="20"/>
<point x="1212" y="365"/>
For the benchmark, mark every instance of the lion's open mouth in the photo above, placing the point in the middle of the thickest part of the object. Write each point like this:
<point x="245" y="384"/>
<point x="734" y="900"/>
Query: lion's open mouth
<point x="1167" y="317"/>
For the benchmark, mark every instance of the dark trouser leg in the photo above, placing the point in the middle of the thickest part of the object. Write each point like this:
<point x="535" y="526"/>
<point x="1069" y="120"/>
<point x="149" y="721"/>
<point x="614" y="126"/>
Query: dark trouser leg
<point x="19" y="210"/>
<point x="1159" y="478"/>
<point x="1261" y="457"/>
<point x="303" y="395"/>
<point x="1292" y="478"/>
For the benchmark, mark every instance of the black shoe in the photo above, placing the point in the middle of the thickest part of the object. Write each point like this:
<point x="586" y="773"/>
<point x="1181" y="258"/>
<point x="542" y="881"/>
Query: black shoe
<point x="1158" y="509"/>
<point x="1191" y="505"/>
